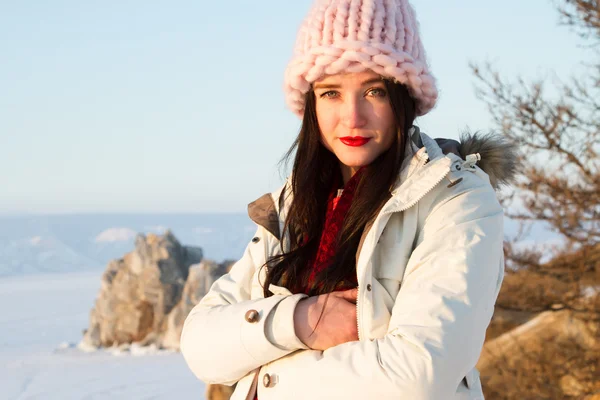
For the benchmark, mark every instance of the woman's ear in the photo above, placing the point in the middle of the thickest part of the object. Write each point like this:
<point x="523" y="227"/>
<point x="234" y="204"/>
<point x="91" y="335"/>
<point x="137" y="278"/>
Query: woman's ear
<point x="449" y="146"/>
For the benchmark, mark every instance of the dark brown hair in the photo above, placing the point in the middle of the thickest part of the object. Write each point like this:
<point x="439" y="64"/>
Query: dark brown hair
<point x="313" y="174"/>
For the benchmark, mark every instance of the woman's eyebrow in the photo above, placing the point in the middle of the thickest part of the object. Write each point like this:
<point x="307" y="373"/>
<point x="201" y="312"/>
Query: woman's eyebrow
<point x="327" y="86"/>
<point x="372" y="81"/>
<point x="338" y="86"/>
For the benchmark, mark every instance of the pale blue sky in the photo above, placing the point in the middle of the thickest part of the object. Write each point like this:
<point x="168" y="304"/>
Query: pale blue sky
<point x="176" y="106"/>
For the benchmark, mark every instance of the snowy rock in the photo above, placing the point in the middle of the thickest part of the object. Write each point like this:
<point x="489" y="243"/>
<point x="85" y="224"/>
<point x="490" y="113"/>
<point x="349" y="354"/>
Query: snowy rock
<point x="139" y="291"/>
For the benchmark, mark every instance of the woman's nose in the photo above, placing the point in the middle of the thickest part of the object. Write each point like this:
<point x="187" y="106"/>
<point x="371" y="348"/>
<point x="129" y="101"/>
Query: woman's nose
<point x="354" y="113"/>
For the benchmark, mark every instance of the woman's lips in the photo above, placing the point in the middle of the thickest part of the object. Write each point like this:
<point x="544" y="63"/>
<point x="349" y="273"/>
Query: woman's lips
<point x="354" y="141"/>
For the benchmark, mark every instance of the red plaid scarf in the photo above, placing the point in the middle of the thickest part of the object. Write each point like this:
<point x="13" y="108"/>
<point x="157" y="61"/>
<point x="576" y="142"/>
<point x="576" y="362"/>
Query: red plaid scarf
<point x="337" y="209"/>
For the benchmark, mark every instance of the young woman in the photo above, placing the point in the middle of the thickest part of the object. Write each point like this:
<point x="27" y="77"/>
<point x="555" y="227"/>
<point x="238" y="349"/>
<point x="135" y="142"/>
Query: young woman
<point x="374" y="270"/>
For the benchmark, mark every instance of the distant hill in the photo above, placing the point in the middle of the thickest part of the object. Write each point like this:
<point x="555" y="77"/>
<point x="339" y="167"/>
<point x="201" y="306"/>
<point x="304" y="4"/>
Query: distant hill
<point x="64" y="243"/>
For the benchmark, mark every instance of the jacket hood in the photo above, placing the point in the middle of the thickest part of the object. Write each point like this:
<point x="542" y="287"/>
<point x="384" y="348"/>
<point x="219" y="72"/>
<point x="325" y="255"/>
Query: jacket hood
<point x="497" y="156"/>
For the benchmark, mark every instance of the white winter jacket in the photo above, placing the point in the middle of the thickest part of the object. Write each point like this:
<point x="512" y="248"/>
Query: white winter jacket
<point x="429" y="271"/>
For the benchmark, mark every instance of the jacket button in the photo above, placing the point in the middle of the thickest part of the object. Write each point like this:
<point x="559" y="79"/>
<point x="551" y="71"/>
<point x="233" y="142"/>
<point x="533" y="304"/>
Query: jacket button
<point x="369" y="287"/>
<point x="268" y="381"/>
<point x="252" y="316"/>
<point x="255" y="239"/>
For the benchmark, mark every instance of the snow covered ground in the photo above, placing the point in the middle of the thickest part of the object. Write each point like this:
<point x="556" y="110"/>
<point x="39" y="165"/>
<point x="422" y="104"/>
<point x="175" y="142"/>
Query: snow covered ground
<point x="42" y="318"/>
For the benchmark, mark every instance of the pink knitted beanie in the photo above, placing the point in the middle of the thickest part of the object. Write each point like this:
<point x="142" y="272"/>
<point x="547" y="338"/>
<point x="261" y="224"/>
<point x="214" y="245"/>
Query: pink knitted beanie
<point x="356" y="35"/>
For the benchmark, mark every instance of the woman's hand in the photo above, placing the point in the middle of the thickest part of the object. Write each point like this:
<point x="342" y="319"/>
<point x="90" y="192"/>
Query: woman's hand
<point x="337" y="325"/>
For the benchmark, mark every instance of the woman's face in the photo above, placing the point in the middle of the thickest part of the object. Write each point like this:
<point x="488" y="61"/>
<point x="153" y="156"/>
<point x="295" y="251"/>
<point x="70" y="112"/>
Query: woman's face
<point x="355" y="117"/>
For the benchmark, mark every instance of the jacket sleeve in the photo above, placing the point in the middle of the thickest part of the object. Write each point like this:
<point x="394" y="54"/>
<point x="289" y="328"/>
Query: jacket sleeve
<point x="439" y="317"/>
<point x="220" y="343"/>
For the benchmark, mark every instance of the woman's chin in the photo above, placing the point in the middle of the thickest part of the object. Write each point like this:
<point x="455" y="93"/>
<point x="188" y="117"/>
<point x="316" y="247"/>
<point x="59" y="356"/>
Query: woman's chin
<point x="356" y="162"/>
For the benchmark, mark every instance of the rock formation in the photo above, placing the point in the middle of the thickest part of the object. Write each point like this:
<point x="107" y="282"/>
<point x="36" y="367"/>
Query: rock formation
<point x="139" y="291"/>
<point x="146" y="296"/>
<point x="555" y="350"/>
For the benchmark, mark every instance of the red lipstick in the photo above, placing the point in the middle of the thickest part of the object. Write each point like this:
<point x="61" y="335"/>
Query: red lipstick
<point x="355" y="141"/>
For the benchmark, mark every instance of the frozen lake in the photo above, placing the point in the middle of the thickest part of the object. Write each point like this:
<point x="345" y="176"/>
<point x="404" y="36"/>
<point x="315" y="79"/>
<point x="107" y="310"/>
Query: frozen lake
<point x="42" y="317"/>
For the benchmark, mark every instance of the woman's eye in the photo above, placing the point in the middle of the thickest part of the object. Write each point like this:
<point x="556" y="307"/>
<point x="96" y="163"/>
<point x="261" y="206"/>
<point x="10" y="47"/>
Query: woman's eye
<point x="377" y="92"/>
<point x="330" y="94"/>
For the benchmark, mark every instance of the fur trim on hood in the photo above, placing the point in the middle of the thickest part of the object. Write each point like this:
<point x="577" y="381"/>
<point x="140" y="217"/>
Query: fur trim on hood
<point x="498" y="156"/>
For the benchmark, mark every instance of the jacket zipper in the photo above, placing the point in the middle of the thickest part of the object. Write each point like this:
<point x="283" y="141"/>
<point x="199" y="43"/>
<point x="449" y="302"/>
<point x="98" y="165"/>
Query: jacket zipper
<point x="404" y="208"/>
<point x="357" y="319"/>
